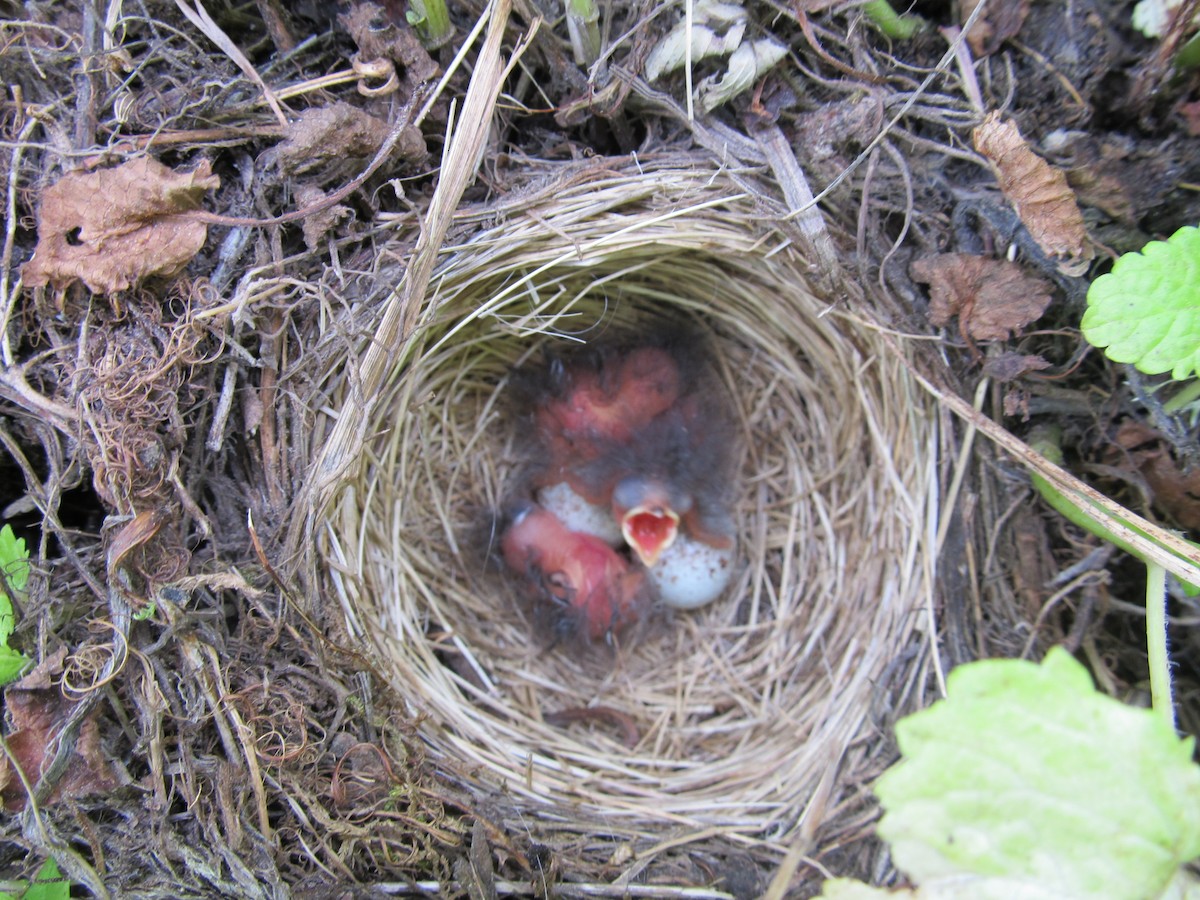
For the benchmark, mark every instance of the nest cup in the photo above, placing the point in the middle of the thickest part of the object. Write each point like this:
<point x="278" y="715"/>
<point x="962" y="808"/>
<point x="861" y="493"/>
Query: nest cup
<point x="737" y="710"/>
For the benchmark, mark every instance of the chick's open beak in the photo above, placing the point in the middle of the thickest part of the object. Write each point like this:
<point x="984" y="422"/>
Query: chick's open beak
<point x="649" y="530"/>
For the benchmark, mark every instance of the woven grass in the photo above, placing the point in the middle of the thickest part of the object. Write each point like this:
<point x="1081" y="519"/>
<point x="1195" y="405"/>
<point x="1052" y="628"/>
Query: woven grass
<point x="739" y="709"/>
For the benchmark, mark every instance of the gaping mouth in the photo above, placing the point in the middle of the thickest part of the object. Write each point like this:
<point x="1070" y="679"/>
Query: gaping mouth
<point x="650" y="531"/>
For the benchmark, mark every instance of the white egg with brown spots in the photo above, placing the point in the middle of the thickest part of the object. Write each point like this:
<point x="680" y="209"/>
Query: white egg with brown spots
<point x="689" y="574"/>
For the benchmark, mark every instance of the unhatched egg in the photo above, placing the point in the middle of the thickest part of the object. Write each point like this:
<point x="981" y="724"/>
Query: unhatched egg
<point x="690" y="574"/>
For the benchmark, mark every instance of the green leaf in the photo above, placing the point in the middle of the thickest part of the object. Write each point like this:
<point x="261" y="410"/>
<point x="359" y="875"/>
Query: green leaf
<point x="14" y="560"/>
<point x="1146" y="311"/>
<point x="48" y="884"/>
<point x="1026" y="772"/>
<point x="970" y="887"/>
<point x="849" y="889"/>
<point x="12" y="664"/>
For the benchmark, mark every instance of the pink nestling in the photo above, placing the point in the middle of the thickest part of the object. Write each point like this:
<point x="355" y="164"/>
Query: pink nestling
<point x="591" y="584"/>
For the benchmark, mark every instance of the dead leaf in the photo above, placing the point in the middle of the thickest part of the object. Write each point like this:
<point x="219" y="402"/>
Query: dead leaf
<point x="337" y="132"/>
<point x="112" y="228"/>
<point x="1038" y="192"/>
<point x="1009" y="366"/>
<point x="1174" y="492"/>
<point x="1000" y="21"/>
<point x="1016" y="403"/>
<point x="380" y="35"/>
<point x="1191" y="117"/>
<point x="37" y="712"/>
<point x="329" y="132"/>
<point x="135" y="533"/>
<point x="992" y="298"/>
<point x="362" y="777"/>
<point x="476" y="873"/>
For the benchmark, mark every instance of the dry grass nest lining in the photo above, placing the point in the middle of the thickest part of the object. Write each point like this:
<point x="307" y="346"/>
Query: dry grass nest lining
<point x="741" y="707"/>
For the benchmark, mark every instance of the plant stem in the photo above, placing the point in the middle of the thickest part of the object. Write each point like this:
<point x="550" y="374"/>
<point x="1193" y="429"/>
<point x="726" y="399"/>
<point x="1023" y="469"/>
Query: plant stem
<point x="1186" y="395"/>
<point x="432" y="21"/>
<point x="1047" y="440"/>
<point x="583" y="25"/>
<point x="887" y="20"/>
<point x="1156" y="642"/>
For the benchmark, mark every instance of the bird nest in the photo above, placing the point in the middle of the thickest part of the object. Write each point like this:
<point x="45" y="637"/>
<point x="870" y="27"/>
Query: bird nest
<point x="720" y="721"/>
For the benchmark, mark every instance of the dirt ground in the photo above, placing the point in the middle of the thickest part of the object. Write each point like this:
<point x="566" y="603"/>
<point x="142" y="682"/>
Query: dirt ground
<point x="200" y="728"/>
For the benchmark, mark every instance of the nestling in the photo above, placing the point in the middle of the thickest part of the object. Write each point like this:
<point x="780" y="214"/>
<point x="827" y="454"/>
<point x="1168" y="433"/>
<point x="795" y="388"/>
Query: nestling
<point x="587" y="580"/>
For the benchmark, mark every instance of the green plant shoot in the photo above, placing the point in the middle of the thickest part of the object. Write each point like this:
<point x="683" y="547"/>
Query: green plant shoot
<point x="432" y="21"/>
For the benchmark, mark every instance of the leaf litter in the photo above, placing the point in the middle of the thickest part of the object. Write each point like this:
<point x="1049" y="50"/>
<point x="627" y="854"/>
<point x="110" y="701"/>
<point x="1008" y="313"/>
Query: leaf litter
<point x="153" y="383"/>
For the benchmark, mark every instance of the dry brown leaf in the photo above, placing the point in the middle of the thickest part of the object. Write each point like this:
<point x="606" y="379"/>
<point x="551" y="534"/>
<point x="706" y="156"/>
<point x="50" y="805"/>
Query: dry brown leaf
<point x="112" y="228"/>
<point x="1016" y="403"/>
<point x="381" y="35"/>
<point x="37" y="712"/>
<point x="1174" y="492"/>
<point x="1038" y="192"/>
<point x="1191" y="117"/>
<point x="1000" y="21"/>
<point x="320" y="223"/>
<point x="991" y="297"/>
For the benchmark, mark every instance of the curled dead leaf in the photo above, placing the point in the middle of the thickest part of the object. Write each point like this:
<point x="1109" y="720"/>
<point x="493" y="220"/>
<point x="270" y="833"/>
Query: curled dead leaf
<point x="1038" y="192"/>
<point x="112" y="228"/>
<point x="324" y="220"/>
<point x="993" y="298"/>
<point x="337" y="132"/>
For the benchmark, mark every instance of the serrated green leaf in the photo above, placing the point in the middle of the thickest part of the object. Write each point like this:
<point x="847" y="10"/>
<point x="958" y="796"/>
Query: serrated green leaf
<point x="1027" y="772"/>
<point x="1146" y="311"/>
